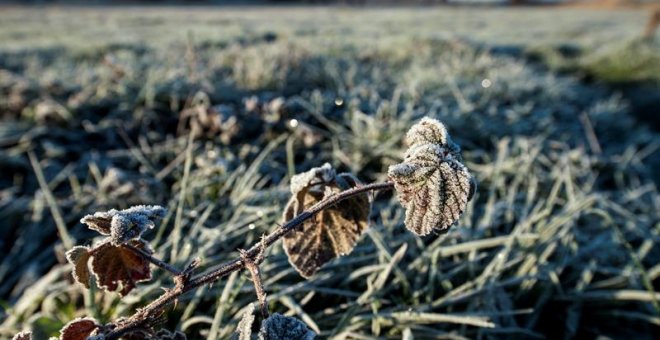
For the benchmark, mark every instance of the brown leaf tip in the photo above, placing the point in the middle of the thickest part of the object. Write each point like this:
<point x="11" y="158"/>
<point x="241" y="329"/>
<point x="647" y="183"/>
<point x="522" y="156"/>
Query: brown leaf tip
<point x="79" y="329"/>
<point x="431" y="182"/>
<point x="79" y="257"/>
<point x="127" y="224"/>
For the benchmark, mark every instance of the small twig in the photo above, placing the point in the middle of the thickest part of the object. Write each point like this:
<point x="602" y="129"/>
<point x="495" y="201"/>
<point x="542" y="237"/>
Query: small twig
<point x="142" y="315"/>
<point x="256" y="280"/>
<point x="160" y="263"/>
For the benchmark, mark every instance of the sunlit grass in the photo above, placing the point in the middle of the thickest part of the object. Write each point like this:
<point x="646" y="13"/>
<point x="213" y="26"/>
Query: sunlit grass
<point x="560" y="241"/>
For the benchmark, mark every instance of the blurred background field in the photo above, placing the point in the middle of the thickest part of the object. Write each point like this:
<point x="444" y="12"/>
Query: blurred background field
<point x="209" y="111"/>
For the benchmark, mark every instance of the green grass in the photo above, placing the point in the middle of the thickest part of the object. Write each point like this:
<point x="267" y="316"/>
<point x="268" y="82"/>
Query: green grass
<point x="561" y="239"/>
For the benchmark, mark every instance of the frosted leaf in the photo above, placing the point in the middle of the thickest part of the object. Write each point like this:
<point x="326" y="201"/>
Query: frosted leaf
<point x="432" y="131"/>
<point x="431" y="182"/>
<point x="127" y="224"/>
<point x="244" y="328"/>
<point x="280" y="327"/>
<point x="334" y="231"/>
<point x="79" y="257"/>
<point x="78" y="329"/>
<point x="428" y="130"/>
<point x="113" y="265"/>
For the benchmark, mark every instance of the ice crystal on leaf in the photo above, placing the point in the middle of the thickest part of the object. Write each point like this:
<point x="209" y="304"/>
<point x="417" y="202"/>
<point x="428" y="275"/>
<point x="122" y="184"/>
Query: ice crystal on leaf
<point x="431" y="182"/>
<point x="123" y="225"/>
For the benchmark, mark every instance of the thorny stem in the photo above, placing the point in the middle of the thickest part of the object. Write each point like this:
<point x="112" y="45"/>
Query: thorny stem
<point x="185" y="284"/>
<point x="253" y="268"/>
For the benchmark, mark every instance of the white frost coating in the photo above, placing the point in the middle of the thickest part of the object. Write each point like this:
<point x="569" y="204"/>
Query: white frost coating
<point x="428" y="130"/>
<point x="322" y="175"/>
<point x="432" y="183"/>
<point x="123" y="225"/>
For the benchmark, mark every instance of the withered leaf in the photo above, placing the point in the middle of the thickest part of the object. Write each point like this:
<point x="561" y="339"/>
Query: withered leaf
<point x="113" y="265"/>
<point x="332" y="232"/>
<point x="79" y="257"/>
<point x="78" y="329"/>
<point x="278" y="326"/>
<point x="100" y="221"/>
<point x="431" y="182"/>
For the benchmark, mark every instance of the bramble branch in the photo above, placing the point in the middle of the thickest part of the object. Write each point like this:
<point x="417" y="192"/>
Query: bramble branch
<point x="184" y="284"/>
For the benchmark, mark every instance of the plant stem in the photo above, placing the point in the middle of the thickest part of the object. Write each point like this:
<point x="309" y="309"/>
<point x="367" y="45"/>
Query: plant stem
<point x="185" y="284"/>
<point x="253" y="268"/>
<point x="155" y="261"/>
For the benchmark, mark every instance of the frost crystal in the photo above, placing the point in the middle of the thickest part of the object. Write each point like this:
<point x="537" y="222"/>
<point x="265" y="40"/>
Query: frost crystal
<point x="432" y="183"/>
<point x="324" y="174"/>
<point x="127" y="224"/>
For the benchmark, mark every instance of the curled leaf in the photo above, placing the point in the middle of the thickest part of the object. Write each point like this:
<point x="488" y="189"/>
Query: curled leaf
<point x="79" y="257"/>
<point x="79" y="329"/>
<point x="127" y="224"/>
<point x="432" y="183"/>
<point x="278" y="327"/>
<point x="113" y="265"/>
<point x="334" y="231"/>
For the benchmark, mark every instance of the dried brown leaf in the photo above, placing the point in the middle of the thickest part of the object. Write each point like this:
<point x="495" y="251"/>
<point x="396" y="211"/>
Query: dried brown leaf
<point x="332" y="232"/>
<point x="113" y="265"/>
<point x="431" y="182"/>
<point x="78" y="329"/>
<point x="79" y="257"/>
<point x="100" y="222"/>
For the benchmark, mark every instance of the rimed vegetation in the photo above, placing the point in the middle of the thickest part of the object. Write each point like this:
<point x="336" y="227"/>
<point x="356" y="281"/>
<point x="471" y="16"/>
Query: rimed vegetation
<point x="209" y="113"/>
